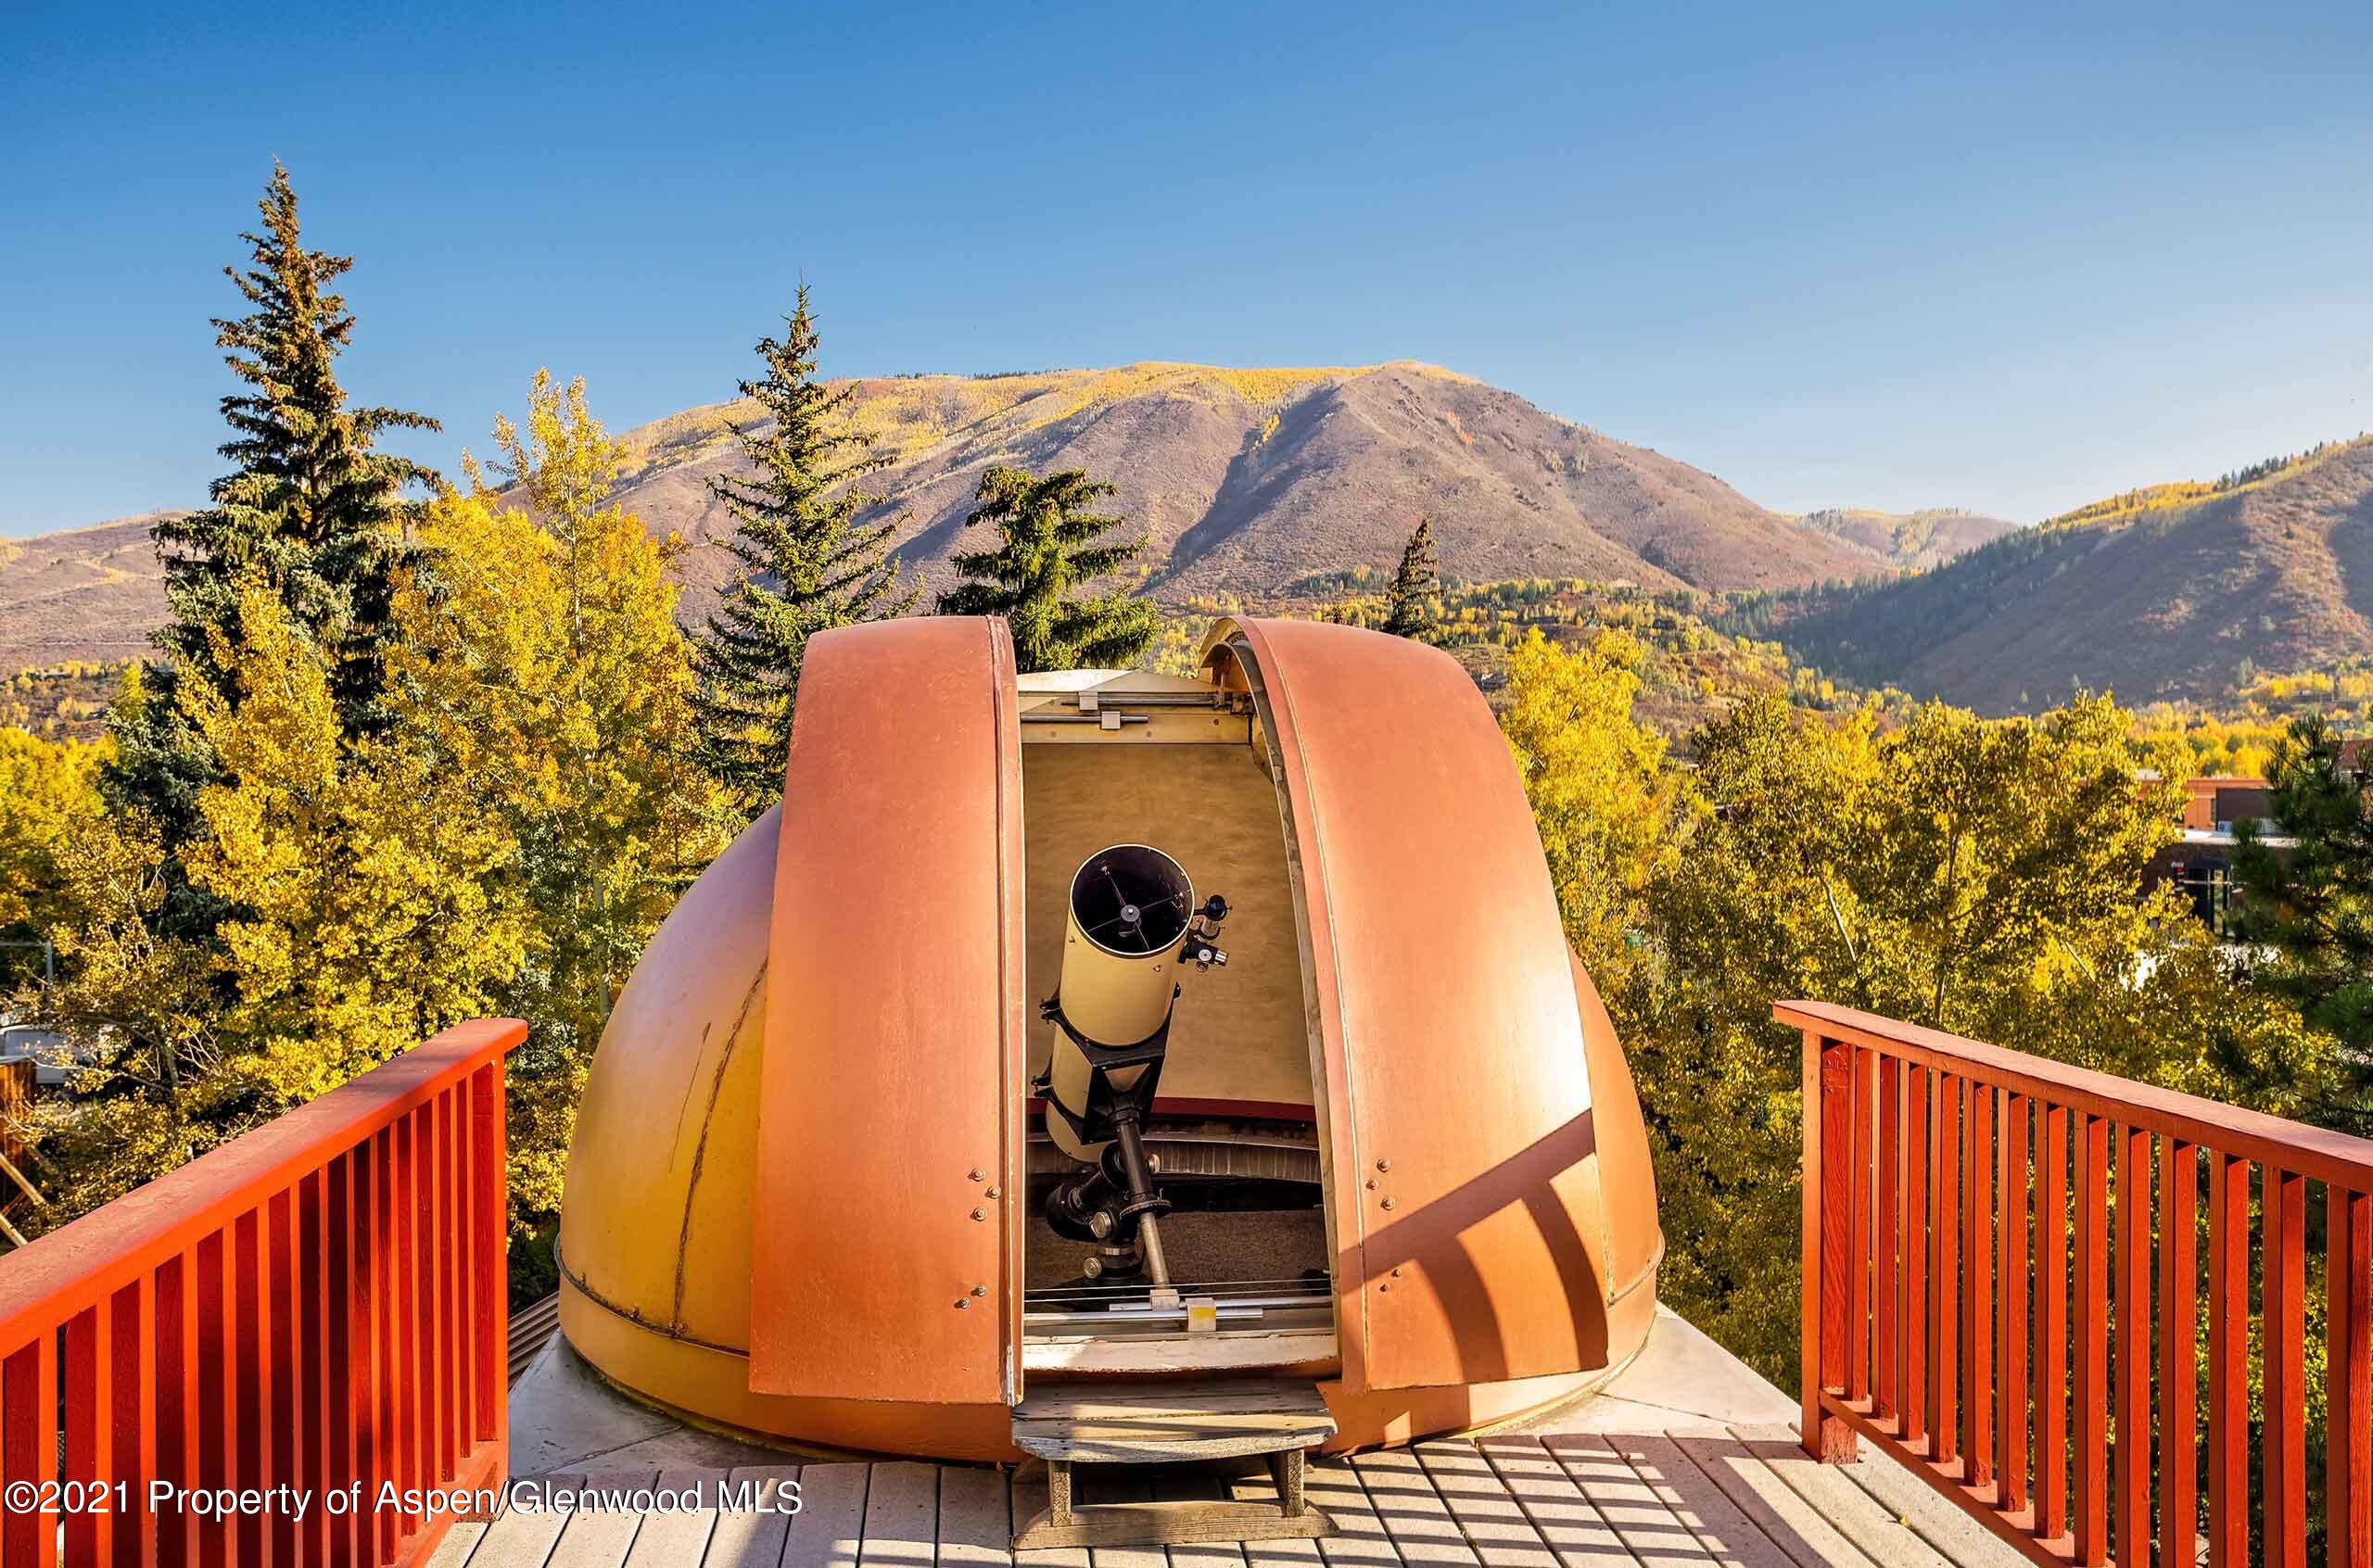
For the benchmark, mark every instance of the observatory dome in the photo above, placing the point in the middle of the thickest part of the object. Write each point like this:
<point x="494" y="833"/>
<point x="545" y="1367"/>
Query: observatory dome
<point x="1387" y="1132"/>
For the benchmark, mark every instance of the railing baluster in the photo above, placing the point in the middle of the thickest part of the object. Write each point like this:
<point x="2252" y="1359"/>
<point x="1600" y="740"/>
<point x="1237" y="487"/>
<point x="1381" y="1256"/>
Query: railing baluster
<point x="2051" y="1328"/>
<point x="2011" y="1302"/>
<point x="177" y="1401"/>
<point x="249" y="1457"/>
<point x="490" y="1149"/>
<point x="2348" y="1468"/>
<point x="2228" y="1361"/>
<point x="427" y="1288"/>
<point x="387" y="1420"/>
<point x="1886" y="1236"/>
<point x="132" y="1436"/>
<point x="28" y="1449"/>
<point x="344" y="1343"/>
<point x="1915" y="1256"/>
<point x="88" y="1377"/>
<point x="1944" y="1270"/>
<point x="491" y="1219"/>
<point x="1862" y="1168"/>
<point x="448" y="1346"/>
<point x="2092" y="1516"/>
<point x="216" y="1413"/>
<point x="312" y="1363"/>
<point x="2284" y="1329"/>
<point x="2178" y="1371"/>
<point x="1828" y="1106"/>
<point x="460" y="1313"/>
<point x="404" y="1280"/>
<point x="1977" y="1288"/>
<point x="282" y="1368"/>
<point x="2132" y="1245"/>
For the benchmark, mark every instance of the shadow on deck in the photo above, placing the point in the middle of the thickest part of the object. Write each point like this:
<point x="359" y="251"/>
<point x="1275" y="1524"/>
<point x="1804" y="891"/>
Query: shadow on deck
<point x="1687" y="1459"/>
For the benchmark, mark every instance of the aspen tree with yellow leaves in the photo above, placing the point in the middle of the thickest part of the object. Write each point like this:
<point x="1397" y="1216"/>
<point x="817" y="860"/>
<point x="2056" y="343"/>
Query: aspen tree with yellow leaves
<point x="538" y="660"/>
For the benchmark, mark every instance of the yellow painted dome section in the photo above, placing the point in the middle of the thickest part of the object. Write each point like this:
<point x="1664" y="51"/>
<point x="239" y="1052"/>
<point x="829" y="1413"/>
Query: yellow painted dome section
<point x="656" y="1228"/>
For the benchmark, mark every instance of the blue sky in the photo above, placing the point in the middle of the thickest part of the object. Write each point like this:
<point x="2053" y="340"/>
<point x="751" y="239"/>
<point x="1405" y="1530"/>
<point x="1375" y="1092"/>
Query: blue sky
<point x="1854" y="255"/>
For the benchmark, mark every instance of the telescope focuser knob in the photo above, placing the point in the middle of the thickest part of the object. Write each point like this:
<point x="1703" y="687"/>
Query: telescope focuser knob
<point x="1200" y="950"/>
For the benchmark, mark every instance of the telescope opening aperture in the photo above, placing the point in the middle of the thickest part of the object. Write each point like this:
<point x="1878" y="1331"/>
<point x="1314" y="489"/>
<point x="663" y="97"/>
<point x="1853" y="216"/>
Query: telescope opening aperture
<point x="1131" y="900"/>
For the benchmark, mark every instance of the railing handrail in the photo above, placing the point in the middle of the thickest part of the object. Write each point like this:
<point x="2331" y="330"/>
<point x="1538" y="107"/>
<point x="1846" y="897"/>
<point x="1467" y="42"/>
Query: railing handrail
<point x="2314" y="1152"/>
<point x="79" y="1264"/>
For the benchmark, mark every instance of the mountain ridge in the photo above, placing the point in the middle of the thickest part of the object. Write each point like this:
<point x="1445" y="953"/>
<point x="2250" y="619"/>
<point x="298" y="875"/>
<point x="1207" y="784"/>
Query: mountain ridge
<point x="2164" y="592"/>
<point x="1244" y="480"/>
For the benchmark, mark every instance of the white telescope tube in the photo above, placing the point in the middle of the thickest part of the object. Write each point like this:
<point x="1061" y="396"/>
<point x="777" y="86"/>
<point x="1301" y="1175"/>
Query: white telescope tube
<point x="1129" y="907"/>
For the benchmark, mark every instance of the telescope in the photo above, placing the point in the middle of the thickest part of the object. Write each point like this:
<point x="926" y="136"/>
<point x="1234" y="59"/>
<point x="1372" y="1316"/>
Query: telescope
<point x="1132" y="927"/>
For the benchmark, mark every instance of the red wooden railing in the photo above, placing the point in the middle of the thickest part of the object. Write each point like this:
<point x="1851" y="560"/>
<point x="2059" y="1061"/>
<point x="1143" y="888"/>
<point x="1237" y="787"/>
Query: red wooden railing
<point x="1946" y="1319"/>
<point x="319" y="1305"/>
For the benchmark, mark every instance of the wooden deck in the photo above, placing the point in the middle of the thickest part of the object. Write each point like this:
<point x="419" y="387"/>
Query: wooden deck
<point x="1744" y="1497"/>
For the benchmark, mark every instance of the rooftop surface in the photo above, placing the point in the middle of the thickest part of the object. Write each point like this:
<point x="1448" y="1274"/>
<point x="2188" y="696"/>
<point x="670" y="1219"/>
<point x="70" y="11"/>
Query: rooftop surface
<point x="1688" y="1458"/>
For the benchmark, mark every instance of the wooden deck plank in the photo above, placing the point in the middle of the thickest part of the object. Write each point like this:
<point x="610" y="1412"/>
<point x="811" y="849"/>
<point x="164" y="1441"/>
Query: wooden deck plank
<point x="519" y="1538"/>
<point x="459" y="1543"/>
<point x="1413" y="1515"/>
<point x="1875" y="1532"/>
<point x="1752" y="1499"/>
<point x="1288" y="1553"/>
<point x="1642" y="1520"/>
<point x="1723" y="1527"/>
<point x="600" y="1532"/>
<point x="1571" y="1527"/>
<point x="975" y="1517"/>
<point x="1785" y="1518"/>
<point x="679" y="1535"/>
<point x="901" y="1528"/>
<point x="1958" y="1538"/>
<point x="753" y="1537"/>
<point x="1487" y="1515"/>
<point x="1358" y="1540"/>
<point x="830" y="1525"/>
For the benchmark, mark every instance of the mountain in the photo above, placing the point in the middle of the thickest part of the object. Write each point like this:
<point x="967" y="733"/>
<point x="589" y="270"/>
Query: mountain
<point x="88" y="593"/>
<point x="1251" y="482"/>
<point x="1912" y="541"/>
<point x="2158" y="593"/>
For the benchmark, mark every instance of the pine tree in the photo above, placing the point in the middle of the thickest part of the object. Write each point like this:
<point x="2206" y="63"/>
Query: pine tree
<point x="1048" y="545"/>
<point x="1413" y="606"/>
<point x="807" y="563"/>
<point x="312" y="511"/>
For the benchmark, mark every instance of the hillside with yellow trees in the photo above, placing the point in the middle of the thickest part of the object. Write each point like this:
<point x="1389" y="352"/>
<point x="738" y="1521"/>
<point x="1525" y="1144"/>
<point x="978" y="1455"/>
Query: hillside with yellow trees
<point x="2177" y="592"/>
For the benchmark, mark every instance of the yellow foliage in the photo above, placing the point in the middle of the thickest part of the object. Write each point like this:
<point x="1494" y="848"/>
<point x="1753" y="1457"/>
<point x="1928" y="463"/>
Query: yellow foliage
<point x="538" y="658"/>
<point x="48" y="794"/>
<point x="1598" y="790"/>
<point x="369" y="908"/>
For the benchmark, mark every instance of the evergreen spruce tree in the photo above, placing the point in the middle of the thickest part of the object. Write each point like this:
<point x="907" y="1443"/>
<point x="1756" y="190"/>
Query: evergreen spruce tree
<point x="808" y="565"/>
<point x="311" y="510"/>
<point x="1413" y="605"/>
<point x="1048" y="545"/>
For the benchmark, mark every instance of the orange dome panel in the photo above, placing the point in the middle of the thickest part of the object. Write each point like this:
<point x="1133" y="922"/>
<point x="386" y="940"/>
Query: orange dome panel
<point x="885" y="1244"/>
